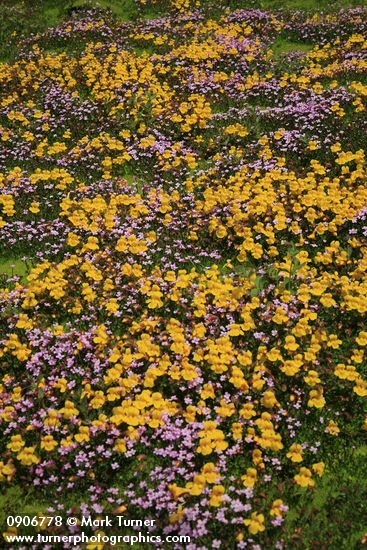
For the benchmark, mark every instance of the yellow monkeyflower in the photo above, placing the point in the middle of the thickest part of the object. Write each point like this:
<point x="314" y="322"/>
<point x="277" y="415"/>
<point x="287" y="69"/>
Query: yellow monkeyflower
<point x="332" y="428"/>
<point x="304" y="478"/>
<point x="27" y="456"/>
<point x="295" y="453"/>
<point x="316" y="399"/>
<point x="216" y="497"/>
<point x="48" y="443"/>
<point x="255" y="524"/>
<point x="34" y="207"/>
<point x="318" y="468"/>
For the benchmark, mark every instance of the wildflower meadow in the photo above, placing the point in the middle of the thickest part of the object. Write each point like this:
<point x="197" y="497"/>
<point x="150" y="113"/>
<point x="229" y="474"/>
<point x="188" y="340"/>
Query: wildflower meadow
<point x="183" y="274"/>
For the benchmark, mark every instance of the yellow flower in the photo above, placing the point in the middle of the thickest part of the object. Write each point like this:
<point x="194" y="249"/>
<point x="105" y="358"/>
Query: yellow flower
<point x="217" y="495"/>
<point x="27" y="456"/>
<point x="155" y="296"/>
<point x="360" y="388"/>
<point x="48" y="443"/>
<point x="276" y="508"/>
<point x="69" y="410"/>
<point x="312" y="378"/>
<point x="290" y="343"/>
<point x="318" y="468"/>
<point x="176" y="491"/>
<point x="279" y="134"/>
<point x="211" y="439"/>
<point x="250" y="478"/>
<point x="248" y="411"/>
<point x="237" y="429"/>
<point x="255" y="524"/>
<point x="34" y="208"/>
<point x="269" y="400"/>
<point x="304" y="478"/>
<point x="178" y="516"/>
<point x="7" y="471"/>
<point x="120" y="445"/>
<point x="312" y="145"/>
<point x="295" y="453"/>
<point x="16" y="443"/>
<point x="96" y="545"/>
<point x="257" y="458"/>
<point x="316" y="399"/>
<point x="91" y="244"/>
<point x="98" y="400"/>
<point x="73" y="239"/>
<point x="333" y="341"/>
<point x="332" y="428"/>
<point x="209" y="471"/>
<point x="280" y="316"/>
<point x="362" y="338"/>
<point x="83" y="434"/>
<point x="10" y="532"/>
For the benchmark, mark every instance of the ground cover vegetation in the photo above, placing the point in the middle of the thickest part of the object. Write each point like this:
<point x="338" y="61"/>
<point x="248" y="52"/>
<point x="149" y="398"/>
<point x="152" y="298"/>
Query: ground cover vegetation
<point x="183" y="267"/>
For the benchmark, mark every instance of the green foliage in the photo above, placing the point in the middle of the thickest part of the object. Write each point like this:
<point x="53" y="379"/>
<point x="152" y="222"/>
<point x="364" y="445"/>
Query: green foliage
<point x="10" y="499"/>
<point x="283" y="47"/>
<point x="334" y="514"/>
<point x="13" y="266"/>
<point x="19" y="19"/>
<point x="304" y="5"/>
